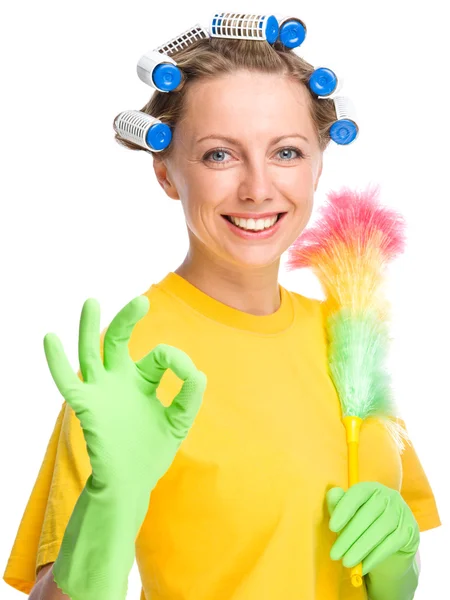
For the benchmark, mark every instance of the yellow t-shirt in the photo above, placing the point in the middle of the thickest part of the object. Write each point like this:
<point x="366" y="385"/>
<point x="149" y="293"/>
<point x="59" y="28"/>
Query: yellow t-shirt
<point x="241" y="513"/>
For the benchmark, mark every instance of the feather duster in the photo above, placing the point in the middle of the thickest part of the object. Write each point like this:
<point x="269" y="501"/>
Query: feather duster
<point x="348" y="249"/>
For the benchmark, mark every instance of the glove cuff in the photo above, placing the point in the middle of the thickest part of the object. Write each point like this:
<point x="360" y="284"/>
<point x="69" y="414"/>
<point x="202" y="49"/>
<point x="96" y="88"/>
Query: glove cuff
<point x="396" y="579"/>
<point x="98" y="548"/>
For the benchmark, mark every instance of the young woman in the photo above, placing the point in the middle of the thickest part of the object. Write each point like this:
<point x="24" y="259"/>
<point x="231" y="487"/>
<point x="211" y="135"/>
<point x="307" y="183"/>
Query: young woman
<point x="241" y="512"/>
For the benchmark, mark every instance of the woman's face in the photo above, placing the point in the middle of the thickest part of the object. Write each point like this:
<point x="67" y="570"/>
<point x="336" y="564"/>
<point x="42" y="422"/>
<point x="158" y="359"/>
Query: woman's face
<point x="271" y="163"/>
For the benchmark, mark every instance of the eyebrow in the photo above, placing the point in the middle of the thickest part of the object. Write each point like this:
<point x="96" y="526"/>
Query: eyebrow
<point x="231" y="140"/>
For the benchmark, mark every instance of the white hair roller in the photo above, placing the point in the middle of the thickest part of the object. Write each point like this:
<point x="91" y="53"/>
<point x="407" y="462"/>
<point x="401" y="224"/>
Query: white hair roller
<point x="185" y="39"/>
<point x="157" y="69"/>
<point x="143" y="129"/>
<point x="244" y="27"/>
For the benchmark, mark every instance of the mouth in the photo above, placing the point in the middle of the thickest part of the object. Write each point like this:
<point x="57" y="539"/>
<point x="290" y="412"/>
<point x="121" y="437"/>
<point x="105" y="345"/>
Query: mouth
<point x="248" y="233"/>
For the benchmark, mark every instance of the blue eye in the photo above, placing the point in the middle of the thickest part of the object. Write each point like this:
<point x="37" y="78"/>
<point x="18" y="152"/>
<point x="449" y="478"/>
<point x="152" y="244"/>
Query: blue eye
<point x="292" y="150"/>
<point x="219" y="151"/>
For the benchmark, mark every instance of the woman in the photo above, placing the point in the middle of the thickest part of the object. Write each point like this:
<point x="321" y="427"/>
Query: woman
<point x="241" y="513"/>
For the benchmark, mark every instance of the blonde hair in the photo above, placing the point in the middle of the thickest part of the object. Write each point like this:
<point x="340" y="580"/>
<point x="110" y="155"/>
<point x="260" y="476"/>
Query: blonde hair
<point x="211" y="57"/>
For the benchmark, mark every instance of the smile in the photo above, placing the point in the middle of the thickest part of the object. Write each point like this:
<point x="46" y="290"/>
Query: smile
<point x="253" y="234"/>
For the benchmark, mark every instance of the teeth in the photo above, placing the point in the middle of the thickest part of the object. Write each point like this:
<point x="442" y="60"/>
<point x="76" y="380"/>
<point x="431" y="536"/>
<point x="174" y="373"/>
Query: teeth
<point x="254" y="225"/>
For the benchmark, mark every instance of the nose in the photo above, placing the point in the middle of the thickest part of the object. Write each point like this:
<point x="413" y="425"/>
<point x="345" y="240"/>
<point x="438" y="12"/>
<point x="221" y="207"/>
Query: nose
<point x="256" y="183"/>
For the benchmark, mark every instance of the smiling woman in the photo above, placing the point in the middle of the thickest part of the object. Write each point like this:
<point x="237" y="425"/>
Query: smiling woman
<point x="248" y="140"/>
<point x="239" y="514"/>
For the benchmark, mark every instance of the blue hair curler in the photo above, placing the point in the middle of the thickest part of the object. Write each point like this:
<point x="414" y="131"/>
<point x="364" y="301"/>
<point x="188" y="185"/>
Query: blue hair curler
<point x="158" y="70"/>
<point x="345" y="129"/>
<point x="244" y="27"/>
<point x="143" y="129"/>
<point x="292" y="31"/>
<point x="325" y="83"/>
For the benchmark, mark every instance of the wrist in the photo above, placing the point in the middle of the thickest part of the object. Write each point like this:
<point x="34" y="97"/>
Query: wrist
<point x="394" y="567"/>
<point x="395" y="581"/>
<point x="97" y="550"/>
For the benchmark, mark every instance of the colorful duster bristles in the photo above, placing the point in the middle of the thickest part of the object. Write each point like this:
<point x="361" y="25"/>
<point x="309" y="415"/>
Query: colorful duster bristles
<point x="348" y="249"/>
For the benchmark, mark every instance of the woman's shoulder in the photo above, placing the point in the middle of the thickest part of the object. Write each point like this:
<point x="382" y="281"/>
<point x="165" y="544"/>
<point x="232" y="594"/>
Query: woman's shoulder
<point x="310" y="314"/>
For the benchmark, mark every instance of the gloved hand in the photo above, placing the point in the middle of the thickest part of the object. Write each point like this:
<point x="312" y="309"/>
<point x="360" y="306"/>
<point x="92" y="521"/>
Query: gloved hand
<point x="377" y="528"/>
<point x="131" y="440"/>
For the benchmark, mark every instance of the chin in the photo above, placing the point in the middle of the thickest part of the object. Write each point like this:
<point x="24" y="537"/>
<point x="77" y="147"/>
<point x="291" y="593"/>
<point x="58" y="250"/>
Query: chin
<point x="257" y="259"/>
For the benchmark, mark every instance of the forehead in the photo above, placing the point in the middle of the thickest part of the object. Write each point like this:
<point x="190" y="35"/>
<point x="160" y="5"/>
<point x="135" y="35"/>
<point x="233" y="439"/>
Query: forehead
<point x="247" y="102"/>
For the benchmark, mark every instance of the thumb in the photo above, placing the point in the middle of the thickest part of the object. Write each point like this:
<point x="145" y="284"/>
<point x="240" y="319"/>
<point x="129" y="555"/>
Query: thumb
<point x="333" y="496"/>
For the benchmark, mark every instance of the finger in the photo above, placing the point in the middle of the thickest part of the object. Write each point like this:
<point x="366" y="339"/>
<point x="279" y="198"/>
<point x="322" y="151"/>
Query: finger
<point x="186" y="404"/>
<point x="365" y="530"/>
<point x="354" y="498"/>
<point x="163" y="356"/>
<point x="117" y="336"/>
<point x="375" y="535"/>
<point x="65" y="378"/>
<point x="332" y="497"/>
<point x="391" y="545"/>
<point x="89" y="341"/>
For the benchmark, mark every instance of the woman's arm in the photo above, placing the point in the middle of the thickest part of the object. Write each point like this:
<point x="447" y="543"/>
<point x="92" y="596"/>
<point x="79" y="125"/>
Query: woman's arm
<point x="45" y="588"/>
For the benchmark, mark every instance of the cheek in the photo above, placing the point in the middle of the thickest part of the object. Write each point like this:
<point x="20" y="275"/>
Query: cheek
<point x="296" y="184"/>
<point x="209" y="186"/>
<point x="304" y="204"/>
<point x="308" y="200"/>
<point x="207" y="193"/>
<point x="200" y="209"/>
<point x="302" y="176"/>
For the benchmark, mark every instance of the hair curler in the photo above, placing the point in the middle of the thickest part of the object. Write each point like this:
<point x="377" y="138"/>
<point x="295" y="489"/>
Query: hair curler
<point x="324" y="83"/>
<point x="143" y="129"/>
<point x="244" y="27"/>
<point x="185" y="39"/>
<point x="292" y="32"/>
<point x="158" y="69"/>
<point x="345" y="129"/>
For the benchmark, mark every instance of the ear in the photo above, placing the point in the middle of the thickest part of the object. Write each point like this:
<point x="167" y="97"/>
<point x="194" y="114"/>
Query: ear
<point x="164" y="179"/>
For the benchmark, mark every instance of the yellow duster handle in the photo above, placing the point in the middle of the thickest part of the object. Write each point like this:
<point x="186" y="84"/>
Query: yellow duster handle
<point x="353" y="427"/>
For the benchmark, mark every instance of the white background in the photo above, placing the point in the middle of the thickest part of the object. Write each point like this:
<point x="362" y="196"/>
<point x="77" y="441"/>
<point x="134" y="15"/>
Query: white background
<point x="83" y="217"/>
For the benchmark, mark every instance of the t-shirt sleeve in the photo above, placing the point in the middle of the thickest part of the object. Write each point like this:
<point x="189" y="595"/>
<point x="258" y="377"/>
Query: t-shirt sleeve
<point x="416" y="489"/>
<point x="60" y="481"/>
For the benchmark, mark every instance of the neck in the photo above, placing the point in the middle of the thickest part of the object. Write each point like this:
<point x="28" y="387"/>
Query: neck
<point x="254" y="291"/>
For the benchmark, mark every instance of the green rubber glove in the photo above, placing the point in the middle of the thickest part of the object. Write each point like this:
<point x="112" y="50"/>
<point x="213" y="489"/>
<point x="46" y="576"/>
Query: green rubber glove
<point x="378" y="529"/>
<point x="131" y="440"/>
